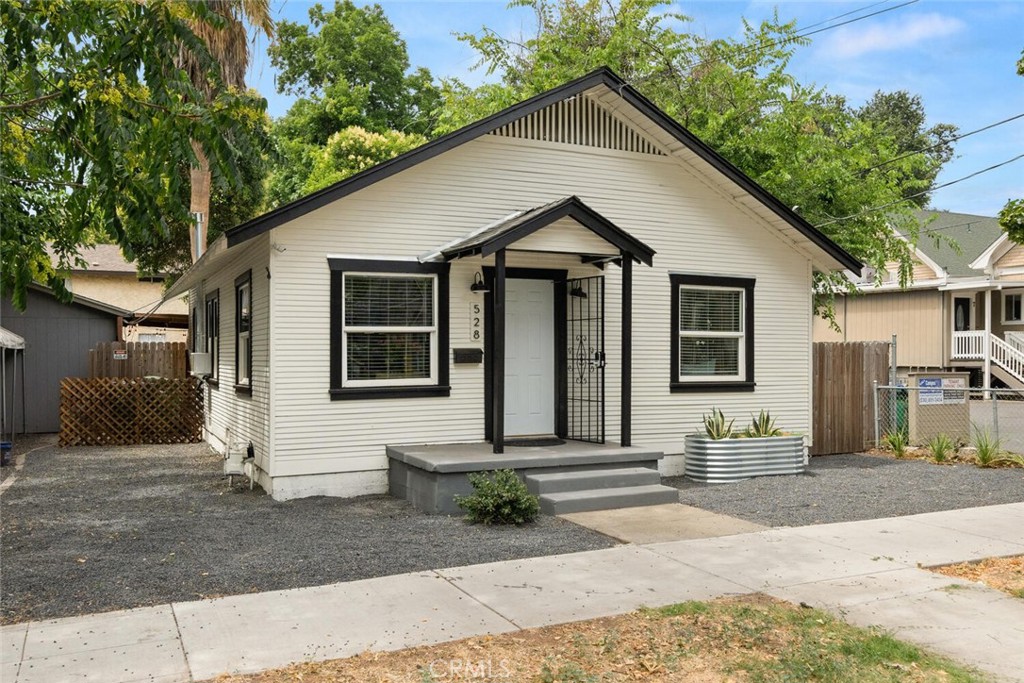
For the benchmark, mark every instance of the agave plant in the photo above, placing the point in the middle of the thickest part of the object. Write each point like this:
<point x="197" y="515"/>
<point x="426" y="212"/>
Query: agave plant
<point x="715" y="426"/>
<point x="763" y="425"/>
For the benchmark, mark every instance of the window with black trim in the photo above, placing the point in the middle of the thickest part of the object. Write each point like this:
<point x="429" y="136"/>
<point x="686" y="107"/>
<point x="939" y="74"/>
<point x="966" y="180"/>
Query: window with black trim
<point x="212" y="320"/>
<point x="1012" y="307"/>
<point x="712" y="333"/>
<point x="243" y="332"/>
<point x="389" y="328"/>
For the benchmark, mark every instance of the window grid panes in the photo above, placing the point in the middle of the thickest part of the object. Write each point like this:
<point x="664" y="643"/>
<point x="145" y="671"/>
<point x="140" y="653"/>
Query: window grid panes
<point x="390" y="329"/>
<point x="711" y="332"/>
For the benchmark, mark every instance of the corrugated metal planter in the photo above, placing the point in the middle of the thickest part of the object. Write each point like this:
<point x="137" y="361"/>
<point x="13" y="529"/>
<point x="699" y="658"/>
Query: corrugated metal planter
<point x="725" y="460"/>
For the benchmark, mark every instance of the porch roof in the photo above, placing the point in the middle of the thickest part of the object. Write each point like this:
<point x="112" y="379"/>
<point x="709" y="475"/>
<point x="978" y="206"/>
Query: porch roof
<point x="514" y="227"/>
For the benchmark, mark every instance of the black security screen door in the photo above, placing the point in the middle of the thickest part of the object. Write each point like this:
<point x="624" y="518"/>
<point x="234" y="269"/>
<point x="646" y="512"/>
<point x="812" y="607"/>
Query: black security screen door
<point x="585" y="366"/>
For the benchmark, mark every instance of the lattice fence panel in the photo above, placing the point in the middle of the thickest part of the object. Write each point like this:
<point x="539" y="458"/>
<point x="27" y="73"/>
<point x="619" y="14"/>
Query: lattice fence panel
<point x="121" y="411"/>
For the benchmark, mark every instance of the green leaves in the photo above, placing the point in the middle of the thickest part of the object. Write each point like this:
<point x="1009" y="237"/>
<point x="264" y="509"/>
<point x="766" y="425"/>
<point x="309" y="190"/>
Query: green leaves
<point x="803" y="144"/>
<point x="95" y="121"/>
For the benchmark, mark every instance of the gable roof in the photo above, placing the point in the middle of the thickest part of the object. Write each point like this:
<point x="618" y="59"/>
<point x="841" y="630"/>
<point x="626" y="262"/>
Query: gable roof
<point x="79" y="300"/>
<point x="522" y="223"/>
<point x="603" y="78"/>
<point x="973" y="234"/>
<point x="102" y="259"/>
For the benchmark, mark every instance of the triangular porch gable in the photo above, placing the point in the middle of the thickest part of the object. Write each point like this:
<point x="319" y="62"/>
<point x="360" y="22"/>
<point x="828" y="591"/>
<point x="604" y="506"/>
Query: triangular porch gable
<point x="580" y="120"/>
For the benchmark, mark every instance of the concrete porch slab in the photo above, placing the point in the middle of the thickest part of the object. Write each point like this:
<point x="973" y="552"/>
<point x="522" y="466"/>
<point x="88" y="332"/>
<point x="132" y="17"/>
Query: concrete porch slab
<point x="479" y="456"/>
<point x="661" y="523"/>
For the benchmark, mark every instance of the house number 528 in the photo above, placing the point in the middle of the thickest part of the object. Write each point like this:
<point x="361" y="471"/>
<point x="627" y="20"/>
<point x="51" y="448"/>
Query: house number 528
<point x="475" y="321"/>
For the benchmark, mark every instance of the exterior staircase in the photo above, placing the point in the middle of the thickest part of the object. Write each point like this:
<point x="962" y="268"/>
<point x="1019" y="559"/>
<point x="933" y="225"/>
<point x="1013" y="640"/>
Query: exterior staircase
<point x="1007" y="355"/>
<point x="584" y="490"/>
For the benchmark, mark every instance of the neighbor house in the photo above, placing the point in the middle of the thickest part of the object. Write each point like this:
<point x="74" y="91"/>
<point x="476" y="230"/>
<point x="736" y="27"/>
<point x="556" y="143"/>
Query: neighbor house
<point x="103" y="274"/>
<point x="961" y="311"/>
<point x="57" y="338"/>
<point x="577" y="266"/>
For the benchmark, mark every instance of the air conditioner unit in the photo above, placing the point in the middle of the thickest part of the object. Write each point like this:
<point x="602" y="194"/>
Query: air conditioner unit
<point x="200" y="364"/>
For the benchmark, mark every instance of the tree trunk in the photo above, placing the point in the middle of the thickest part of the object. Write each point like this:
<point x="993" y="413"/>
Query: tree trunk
<point x="200" y="201"/>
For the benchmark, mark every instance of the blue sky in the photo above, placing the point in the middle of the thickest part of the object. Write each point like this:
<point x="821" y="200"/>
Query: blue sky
<point x="958" y="56"/>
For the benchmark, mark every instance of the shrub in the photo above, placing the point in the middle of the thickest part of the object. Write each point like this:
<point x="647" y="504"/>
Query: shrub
<point x="897" y="442"/>
<point x="941" y="447"/>
<point x="499" y="498"/>
<point x="715" y="425"/>
<point x="987" y="450"/>
<point x="763" y="425"/>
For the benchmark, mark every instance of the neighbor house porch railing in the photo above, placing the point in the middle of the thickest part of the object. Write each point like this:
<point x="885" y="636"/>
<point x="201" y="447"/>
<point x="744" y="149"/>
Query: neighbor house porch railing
<point x="1008" y="354"/>
<point x="969" y="345"/>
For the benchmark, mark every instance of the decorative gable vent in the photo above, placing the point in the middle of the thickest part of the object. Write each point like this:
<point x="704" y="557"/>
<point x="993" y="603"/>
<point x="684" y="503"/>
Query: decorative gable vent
<point x="579" y="121"/>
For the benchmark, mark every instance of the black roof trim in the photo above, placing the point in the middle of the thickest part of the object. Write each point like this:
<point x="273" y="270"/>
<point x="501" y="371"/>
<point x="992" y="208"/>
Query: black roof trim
<point x="602" y="76"/>
<point x="513" y="229"/>
<point x="303" y="205"/>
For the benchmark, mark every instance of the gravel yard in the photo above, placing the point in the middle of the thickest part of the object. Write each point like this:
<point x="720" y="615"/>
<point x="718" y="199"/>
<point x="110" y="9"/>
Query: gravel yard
<point x="97" y="529"/>
<point x="846" y="488"/>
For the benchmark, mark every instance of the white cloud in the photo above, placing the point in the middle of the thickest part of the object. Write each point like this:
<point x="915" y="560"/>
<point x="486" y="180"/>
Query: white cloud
<point x="853" y="41"/>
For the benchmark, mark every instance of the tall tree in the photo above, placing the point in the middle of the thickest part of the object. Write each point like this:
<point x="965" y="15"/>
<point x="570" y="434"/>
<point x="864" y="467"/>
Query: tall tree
<point x="901" y="116"/>
<point x="94" y="120"/>
<point x="227" y="40"/>
<point x="803" y="144"/>
<point x="349" y="67"/>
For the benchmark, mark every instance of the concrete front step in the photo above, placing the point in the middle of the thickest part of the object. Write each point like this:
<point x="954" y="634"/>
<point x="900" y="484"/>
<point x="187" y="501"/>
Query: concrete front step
<point x="607" y="498"/>
<point x="584" y="480"/>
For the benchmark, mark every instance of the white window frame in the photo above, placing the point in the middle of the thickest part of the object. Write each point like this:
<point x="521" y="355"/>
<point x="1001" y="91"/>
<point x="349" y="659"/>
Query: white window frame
<point x="243" y="345"/>
<point x="1006" y="295"/>
<point x="361" y="329"/>
<point x="740" y="336"/>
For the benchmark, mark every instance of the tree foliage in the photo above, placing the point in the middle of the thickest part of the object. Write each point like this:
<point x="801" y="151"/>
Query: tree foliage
<point x="95" y="124"/>
<point x="359" y="101"/>
<point x="801" y="143"/>
<point x="349" y="67"/>
<point x="1011" y="216"/>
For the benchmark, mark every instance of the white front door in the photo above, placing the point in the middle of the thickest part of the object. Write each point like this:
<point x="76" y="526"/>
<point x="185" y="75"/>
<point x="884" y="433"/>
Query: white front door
<point x="529" y="357"/>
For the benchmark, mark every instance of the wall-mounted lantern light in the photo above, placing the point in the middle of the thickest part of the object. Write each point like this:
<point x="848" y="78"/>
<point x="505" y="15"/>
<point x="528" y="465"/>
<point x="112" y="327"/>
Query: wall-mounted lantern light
<point x="478" y="286"/>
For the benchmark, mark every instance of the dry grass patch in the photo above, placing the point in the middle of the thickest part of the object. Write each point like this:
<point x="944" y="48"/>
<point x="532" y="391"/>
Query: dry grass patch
<point x="1002" y="573"/>
<point x="754" y="638"/>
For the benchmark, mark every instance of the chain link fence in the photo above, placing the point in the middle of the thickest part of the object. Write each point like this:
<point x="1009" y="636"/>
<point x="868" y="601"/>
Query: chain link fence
<point x="921" y="414"/>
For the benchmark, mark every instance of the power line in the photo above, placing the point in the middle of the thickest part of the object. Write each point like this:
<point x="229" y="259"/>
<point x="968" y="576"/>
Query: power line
<point x="943" y="142"/>
<point x="798" y="35"/>
<point x="918" y="194"/>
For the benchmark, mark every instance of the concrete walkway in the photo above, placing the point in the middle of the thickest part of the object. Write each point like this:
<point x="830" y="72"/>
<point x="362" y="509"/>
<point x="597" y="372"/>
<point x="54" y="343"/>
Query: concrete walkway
<point x="867" y="572"/>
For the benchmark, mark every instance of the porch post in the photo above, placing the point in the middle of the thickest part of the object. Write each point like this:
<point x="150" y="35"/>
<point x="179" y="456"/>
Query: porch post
<point x="626" y="389"/>
<point x="498" y="355"/>
<point x="988" y="342"/>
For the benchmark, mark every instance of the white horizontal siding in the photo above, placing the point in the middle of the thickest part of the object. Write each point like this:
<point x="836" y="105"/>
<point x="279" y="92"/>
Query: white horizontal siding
<point x="246" y="416"/>
<point x="566" y="236"/>
<point x="692" y="226"/>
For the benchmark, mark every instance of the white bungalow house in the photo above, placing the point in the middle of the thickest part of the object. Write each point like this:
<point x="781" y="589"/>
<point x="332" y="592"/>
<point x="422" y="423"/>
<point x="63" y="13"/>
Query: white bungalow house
<point x="961" y="311"/>
<point x="577" y="267"/>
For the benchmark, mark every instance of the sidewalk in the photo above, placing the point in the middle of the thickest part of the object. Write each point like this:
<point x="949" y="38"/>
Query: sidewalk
<point x="867" y="572"/>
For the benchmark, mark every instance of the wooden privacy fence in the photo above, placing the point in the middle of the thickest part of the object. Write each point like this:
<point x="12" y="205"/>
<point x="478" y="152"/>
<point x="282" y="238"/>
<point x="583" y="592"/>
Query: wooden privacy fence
<point x="109" y="411"/>
<point x="844" y="373"/>
<point x="138" y="359"/>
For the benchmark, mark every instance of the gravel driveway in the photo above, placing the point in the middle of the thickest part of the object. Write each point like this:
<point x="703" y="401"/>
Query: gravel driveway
<point x="91" y="530"/>
<point x="97" y="529"/>
<point x="846" y="488"/>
